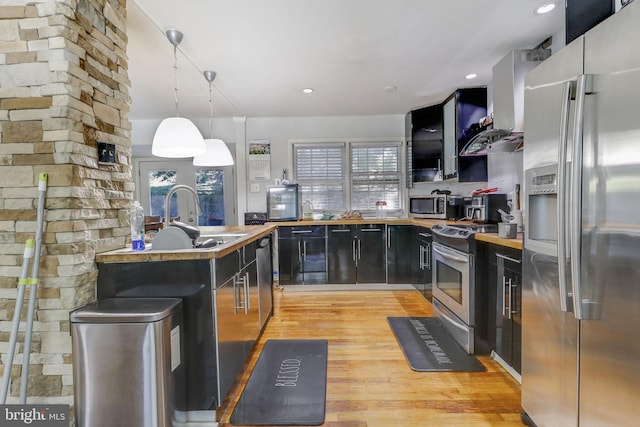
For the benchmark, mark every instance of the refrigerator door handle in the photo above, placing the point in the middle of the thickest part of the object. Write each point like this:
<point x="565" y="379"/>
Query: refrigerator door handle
<point x="576" y="196"/>
<point x="563" y="253"/>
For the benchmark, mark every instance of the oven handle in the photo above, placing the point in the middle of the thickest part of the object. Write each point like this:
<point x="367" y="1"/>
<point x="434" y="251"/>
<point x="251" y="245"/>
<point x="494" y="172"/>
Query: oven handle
<point x="451" y="257"/>
<point x="451" y="320"/>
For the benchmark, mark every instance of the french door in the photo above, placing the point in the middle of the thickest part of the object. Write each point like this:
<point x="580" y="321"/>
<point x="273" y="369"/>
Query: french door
<point x="215" y="188"/>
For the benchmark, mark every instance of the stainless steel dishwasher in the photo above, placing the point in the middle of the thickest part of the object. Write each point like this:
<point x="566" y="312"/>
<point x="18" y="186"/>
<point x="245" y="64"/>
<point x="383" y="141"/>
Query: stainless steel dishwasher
<point x="265" y="275"/>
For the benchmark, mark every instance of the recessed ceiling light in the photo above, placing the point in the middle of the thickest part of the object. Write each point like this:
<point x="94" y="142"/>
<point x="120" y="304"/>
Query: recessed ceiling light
<point x="545" y="8"/>
<point x="390" y="89"/>
<point x="471" y="76"/>
<point x="307" y="90"/>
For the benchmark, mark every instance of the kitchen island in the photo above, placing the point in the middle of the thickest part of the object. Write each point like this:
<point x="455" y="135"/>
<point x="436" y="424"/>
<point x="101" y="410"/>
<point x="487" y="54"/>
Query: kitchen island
<point x="226" y="297"/>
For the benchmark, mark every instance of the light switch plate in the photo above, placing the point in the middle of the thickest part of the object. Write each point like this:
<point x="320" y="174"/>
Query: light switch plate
<point x="255" y="188"/>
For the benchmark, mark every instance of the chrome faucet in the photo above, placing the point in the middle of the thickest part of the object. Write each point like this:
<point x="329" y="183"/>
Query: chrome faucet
<point x="167" y="200"/>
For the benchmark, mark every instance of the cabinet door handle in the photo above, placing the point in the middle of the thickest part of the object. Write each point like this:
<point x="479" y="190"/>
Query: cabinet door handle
<point x="235" y="296"/>
<point x="513" y="308"/>
<point x="353" y="250"/>
<point x="300" y="231"/>
<point x="388" y="237"/>
<point x="247" y="300"/>
<point x="299" y="251"/>
<point x="424" y="235"/>
<point x="359" y="248"/>
<point x="371" y="230"/>
<point x="508" y="258"/>
<point x="421" y="258"/>
<point x="427" y="249"/>
<point x="510" y="298"/>
<point x="341" y="231"/>
<point x="304" y="250"/>
<point x="504" y="291"/>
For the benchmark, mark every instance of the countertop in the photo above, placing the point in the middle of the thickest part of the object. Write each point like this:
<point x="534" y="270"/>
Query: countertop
<point x="255" y="232"/>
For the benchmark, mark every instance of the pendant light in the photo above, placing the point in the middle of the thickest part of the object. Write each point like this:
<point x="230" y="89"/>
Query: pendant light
<point x="217" y="153"/>
<point x="177" y="137"/>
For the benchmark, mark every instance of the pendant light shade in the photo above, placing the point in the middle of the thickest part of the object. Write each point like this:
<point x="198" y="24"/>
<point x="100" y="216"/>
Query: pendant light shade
<point x="177" y="137"/>
<point x="217" y="153"/>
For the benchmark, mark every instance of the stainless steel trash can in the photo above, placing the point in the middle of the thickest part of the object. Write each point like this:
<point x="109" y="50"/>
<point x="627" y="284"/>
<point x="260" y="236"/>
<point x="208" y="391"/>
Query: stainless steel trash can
<point x="127" y="362"/>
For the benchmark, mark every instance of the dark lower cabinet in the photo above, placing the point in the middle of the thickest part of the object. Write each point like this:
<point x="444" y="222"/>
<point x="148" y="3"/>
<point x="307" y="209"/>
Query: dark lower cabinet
<point x="503" y="276"/>
<point x="400" y="260"/>
<point x="509" y="307"/>
<point x="341" y="255"/>
<point x="356" y="253"/>
<point x="372" y="262"/>
<point x="421" y="260"/>
<point x="302" y="255"/>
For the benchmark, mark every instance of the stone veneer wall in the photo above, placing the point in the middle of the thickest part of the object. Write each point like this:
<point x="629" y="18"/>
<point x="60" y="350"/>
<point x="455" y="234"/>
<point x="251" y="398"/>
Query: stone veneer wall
<point x="63" y="87"/>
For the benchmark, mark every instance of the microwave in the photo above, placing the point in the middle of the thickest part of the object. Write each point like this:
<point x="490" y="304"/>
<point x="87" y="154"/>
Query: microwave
<point x="433" y="206"/>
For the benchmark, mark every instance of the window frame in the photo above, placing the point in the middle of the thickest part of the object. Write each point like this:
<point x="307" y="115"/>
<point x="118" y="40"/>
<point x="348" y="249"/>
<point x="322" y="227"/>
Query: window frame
<point x="347" y="143"/>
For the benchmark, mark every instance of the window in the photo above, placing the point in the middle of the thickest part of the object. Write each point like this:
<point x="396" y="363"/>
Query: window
<point x="319" y="172"/>
<point x="341" y="176"/>
<point x="375" y="175"/>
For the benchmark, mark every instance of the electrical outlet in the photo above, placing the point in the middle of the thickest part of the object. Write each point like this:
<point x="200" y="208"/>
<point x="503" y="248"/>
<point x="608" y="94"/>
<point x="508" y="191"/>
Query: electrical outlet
<point x="255" y="188"/>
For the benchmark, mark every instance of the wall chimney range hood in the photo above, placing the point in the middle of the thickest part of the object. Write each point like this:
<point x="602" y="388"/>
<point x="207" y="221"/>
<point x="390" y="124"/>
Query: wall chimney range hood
<point x="508" y="104"/>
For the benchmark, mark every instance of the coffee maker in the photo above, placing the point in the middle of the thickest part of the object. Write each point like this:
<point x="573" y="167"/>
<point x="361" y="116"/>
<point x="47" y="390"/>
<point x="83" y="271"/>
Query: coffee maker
<point x="455" y="208"/>
<point x="484" y="208"/>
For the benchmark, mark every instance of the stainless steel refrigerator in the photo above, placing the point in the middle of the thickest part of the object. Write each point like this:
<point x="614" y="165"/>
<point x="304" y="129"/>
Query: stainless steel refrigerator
<point x="581" y="271"/>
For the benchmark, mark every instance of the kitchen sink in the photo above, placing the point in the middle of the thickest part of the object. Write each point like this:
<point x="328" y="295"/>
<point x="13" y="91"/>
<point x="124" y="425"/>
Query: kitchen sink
<point x="221" y="238"/>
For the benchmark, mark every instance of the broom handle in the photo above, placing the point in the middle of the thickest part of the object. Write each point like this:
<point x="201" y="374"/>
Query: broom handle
<point x="6" y="376"/>
<point x="35" y="269"/>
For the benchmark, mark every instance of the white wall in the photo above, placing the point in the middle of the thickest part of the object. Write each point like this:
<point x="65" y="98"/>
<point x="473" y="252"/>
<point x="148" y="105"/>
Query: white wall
<point x="280" y="130"/>
<point x="238" y="133"/>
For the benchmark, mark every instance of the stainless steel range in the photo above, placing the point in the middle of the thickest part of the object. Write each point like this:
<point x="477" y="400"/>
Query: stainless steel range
<point x="454" y="288"/>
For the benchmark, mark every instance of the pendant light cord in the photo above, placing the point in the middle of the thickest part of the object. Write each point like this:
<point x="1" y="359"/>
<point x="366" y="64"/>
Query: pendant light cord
<point x="210" y="112"/>
<point x="175" y="75"/>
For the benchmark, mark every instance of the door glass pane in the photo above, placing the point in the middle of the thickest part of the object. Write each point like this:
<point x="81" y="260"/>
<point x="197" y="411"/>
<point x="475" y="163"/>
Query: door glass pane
<point x="209" y="186"/>
<point x="160" y="181"/>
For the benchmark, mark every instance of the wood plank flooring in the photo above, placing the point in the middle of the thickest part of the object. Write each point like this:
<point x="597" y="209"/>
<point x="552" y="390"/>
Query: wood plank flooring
<point x="369" y="383"/>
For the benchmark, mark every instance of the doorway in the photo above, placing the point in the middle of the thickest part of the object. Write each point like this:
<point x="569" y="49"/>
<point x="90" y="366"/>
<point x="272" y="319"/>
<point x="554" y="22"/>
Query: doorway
<point x="215" y="187"/>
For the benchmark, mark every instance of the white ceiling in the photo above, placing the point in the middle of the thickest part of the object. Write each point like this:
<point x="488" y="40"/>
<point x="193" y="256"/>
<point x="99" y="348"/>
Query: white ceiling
<point x="266" y="51"/>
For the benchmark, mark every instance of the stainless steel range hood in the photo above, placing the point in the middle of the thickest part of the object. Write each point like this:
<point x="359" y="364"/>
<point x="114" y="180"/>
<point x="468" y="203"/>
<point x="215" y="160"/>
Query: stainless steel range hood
<point x="508" y="103"/>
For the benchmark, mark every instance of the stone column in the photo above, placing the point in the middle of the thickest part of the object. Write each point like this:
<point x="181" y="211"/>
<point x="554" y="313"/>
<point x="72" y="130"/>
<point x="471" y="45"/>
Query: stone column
<point x="63" y="88"/>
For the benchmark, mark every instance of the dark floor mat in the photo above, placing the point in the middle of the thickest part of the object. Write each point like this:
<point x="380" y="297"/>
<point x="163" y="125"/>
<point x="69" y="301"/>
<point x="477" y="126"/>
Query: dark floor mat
<point x="428" y="347"/>
<point x="287" y="386"/>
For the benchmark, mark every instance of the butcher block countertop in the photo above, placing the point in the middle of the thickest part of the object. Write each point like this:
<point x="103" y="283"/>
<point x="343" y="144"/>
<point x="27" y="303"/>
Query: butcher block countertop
<point x="255" y="232"/>
<point x="493" y="238"/>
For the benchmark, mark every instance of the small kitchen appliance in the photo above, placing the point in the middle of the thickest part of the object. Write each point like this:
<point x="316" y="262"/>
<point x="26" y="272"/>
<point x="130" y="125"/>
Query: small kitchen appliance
<point x="484" y="208"/>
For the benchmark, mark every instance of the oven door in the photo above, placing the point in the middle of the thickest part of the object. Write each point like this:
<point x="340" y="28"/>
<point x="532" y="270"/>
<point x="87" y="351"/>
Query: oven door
<point x="451" y="280"/>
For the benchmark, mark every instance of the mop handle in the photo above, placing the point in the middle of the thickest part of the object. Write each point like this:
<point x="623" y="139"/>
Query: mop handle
<point x="6" y="376"/>
<point x="35" y="268"/>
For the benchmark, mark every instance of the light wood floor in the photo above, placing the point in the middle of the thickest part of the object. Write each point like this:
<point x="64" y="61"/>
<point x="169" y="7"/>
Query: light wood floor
<point x="369" y="383"/>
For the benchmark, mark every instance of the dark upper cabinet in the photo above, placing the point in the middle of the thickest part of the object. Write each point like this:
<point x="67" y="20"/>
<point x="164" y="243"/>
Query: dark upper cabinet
<point x="426" y="143"/>
<point x="438" y="134"/>
<point x="462" y="113"/>
<point x="582" y="15"/>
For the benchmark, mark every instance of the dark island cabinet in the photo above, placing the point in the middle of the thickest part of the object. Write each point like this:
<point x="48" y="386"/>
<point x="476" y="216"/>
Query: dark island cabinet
<point x="356" y="253"/>
<point x="302" y="254"/>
